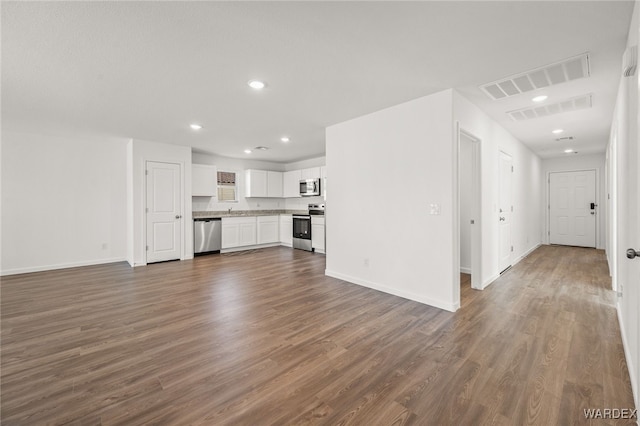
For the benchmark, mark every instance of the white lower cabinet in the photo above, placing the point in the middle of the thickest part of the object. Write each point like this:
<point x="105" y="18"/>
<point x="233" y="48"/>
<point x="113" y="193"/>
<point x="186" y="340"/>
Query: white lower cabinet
<point x="238" y="231"/>
<point x="286" y="229"/>
<point x="317" y="233"/>
<point x="268" y="229"/>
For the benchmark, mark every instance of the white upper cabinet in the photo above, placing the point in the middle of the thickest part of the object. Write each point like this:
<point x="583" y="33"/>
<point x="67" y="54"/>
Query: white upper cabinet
<point x="255" y="183"/>
<point x="312" y="173"/>
<point x="274" y="184"/>
<point x="204" y="180"/>
<point x="291" y="184"/>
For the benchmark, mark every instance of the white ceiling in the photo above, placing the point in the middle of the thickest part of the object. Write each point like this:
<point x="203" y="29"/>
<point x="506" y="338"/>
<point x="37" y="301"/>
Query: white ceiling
<point x="148" y="69"/>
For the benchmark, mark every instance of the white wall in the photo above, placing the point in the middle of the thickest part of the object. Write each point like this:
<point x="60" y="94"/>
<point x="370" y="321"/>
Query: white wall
<point x="137" y="154"/>
<point x="63" y="201"/>
<point x="404" y="155"/>
<point x="466" y="186"/>
<point x="624" y="204"/>
<point x="526" y="221"/>
<point x="572" y="162"/>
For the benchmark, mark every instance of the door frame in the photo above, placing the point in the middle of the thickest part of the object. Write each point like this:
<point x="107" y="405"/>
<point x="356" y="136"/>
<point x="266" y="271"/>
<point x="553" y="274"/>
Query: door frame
<point x="500" y="267"/>
<point x="599" y="208"/>
<point x="476" y="206"/>
<point x="181" y="187"/>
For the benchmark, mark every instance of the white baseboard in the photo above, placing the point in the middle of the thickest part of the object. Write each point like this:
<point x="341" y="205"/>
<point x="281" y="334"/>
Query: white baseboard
<point x="491" y="279"/>
<point x="30" y="269"/>
<point x="631" y="368"/>
<point x="452" y="307"/>
<point x="256" y="246"/>
<point x="526" y="253"/>
<point x="465" y="270"/>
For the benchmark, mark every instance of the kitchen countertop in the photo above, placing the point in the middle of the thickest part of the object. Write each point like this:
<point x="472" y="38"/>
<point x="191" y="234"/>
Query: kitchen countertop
<point x="245" y="213"/>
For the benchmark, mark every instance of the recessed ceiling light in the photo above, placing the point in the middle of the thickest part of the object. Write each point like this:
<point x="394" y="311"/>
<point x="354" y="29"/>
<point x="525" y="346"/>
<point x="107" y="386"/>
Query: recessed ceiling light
<point x="557" y="131"/>
<point x="285" y="139"/>
<point x="568" y="151"/>
<point x="256" y="84"/>
<point x="540" y="98"/>
<point x="247" y="151"/>
<point x="195" y="126"/>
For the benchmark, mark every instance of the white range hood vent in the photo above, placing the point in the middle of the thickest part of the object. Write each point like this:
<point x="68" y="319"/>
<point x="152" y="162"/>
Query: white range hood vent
<point x="550" y="75"/>
<point x="573" y="104"/>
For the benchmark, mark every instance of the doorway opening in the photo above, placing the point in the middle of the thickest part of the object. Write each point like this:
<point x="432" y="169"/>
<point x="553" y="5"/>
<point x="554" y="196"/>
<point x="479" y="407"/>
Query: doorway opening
<point x="505" y="207"/>
<point x="468" y="249"/>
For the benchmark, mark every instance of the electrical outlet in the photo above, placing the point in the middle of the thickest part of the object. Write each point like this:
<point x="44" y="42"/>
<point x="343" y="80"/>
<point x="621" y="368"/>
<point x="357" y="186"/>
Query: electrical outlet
<point x="365" y="262"/>
<point x="434" y="209"/>
<point x="105" y="246"/>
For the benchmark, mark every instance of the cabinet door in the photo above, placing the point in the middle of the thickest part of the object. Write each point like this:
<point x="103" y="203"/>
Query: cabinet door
<point x="274" y="184"/>
<point x="230" y="235"/>
<point x="317" y="237"/>
<point x="256" y="183"/>
<point x="204" y="180"/>
<point x="291" y="184"/>
<point x="268" y="229"/>
<point x="312" y="173"/>
<point x="247" y="234"/>
<point x="286" y="229"/>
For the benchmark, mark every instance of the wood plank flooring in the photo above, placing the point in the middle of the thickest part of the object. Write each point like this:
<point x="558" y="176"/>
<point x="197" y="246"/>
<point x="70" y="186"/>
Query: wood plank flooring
<point x="263" y="337"/>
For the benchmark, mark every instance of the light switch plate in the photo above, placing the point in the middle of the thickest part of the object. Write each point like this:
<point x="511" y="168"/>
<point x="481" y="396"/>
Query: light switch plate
<point x="434" y="209"/>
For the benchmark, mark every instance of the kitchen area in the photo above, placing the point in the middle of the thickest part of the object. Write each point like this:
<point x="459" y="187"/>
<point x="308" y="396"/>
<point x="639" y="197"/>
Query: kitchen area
<point x="237" y="208"/>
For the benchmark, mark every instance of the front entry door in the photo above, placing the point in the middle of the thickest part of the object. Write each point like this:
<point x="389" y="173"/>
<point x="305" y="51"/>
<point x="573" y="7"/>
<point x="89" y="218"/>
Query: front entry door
<point x="505" y="211"/>
<point x="572" y="214"/>
<point x="164" y="212"/>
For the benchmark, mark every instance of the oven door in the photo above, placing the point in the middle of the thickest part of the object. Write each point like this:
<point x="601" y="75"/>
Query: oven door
<point x="302" y="227"/>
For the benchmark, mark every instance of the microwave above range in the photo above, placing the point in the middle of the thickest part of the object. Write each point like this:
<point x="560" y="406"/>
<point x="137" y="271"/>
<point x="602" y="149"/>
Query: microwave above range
<point x="310" y="187"/>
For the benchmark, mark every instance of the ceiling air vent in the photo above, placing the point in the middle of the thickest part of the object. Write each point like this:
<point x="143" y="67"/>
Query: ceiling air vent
<point x="550" y="75"/>
<point x="573" y="104"/>
<point x="630" y="61"/>
<point x="261" y="148"/>
<point x="566" y="138"/>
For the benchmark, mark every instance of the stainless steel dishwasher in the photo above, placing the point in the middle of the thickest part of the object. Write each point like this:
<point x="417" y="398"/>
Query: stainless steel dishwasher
<point x="207" y="235"/>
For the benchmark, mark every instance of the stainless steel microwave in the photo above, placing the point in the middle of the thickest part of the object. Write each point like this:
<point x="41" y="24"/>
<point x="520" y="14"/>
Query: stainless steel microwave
<point x="309" y="187"/>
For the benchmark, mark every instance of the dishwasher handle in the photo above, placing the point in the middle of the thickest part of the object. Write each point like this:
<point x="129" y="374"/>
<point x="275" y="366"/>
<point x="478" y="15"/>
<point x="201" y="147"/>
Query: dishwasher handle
<point x="206" y="219"/>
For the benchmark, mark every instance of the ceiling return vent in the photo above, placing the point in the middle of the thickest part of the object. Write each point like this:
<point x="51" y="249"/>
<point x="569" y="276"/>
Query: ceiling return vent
<point x="630" y="61"/>
<point x="573" y="104"/>
<point x="550" y="75"/>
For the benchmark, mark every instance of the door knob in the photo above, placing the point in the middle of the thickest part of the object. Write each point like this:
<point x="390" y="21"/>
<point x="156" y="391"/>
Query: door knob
<point x="631" y="253"/>
<point x="502" y="218"/>
<point x="178" y="216"/>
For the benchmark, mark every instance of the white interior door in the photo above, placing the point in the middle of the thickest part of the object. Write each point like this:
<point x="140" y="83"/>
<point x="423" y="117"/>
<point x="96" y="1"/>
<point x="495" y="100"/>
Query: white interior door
<point x="164" y="212"/>
<point x="505" y="210"/>
<point x="572" y="215"/>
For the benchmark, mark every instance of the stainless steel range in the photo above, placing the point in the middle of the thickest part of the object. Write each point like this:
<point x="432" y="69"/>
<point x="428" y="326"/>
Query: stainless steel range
<point x="302" y="227"/>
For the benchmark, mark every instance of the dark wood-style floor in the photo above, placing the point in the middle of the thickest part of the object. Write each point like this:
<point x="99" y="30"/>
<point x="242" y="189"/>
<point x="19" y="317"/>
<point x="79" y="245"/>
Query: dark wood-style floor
<point x="263" y="337"/>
